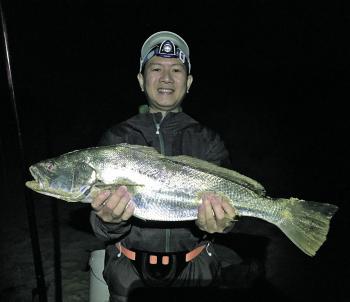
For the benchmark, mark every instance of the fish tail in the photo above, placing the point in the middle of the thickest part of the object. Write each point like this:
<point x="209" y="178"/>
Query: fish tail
<point x="306" y="223"/>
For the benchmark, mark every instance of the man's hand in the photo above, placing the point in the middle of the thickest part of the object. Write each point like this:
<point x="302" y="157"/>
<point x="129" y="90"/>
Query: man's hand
<point x="215" y="214"/>
<point x="114" y="207"/>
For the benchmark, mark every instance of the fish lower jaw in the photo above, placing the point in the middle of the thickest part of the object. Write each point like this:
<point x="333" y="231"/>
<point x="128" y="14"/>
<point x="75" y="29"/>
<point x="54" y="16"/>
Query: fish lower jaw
<point x="35" y="186"/>
<point x="32" y="184"/>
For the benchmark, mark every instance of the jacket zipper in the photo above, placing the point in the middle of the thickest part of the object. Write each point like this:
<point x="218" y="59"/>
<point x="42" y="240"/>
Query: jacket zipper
<point x="162" y="151"/>
<point x="160" y="136"/>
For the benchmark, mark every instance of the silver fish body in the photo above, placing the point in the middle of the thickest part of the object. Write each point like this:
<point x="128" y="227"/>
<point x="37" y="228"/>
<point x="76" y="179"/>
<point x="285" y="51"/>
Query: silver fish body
<point x="171" y="189"/>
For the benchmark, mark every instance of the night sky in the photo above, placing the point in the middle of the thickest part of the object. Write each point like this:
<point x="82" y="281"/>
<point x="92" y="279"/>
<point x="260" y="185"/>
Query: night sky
<point x="271" y="77"/>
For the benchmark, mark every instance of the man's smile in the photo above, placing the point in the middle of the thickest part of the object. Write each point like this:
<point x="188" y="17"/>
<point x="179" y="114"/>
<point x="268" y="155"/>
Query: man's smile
<point x="165" y="90"/>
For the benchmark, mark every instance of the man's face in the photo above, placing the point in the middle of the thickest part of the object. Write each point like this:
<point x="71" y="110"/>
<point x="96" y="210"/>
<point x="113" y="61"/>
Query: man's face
<point x="165" y="82"/>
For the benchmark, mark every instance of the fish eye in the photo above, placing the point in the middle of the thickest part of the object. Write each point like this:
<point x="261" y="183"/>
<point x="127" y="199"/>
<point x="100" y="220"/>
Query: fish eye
<point x="50" y="166"/>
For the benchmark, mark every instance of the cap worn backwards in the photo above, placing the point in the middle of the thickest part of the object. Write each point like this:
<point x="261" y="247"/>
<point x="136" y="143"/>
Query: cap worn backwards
<point x="165" y="44"/>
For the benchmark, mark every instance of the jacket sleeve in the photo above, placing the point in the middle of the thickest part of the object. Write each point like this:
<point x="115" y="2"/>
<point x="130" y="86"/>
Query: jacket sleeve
<point x="108" y="231"/>
<point x="104" y="230"/>
<point x="111" y="137"/>
<point x="216" y="151"/>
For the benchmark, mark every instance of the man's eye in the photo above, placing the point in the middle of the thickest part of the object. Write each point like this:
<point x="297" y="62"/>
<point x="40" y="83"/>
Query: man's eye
<point x="155" y="69"/>
<point x="178" y="70"/>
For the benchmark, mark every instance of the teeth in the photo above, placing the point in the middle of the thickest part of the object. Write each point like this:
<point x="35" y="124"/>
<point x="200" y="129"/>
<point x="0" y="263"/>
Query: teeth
<point x="163" y="90"/>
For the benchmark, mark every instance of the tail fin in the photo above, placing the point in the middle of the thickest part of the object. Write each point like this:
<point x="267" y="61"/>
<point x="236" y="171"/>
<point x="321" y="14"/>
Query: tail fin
<point x="306" y="223"/>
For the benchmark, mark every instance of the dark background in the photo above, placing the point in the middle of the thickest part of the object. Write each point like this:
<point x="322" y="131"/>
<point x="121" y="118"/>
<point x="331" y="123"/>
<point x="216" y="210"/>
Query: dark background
<point x="271" y="77"/>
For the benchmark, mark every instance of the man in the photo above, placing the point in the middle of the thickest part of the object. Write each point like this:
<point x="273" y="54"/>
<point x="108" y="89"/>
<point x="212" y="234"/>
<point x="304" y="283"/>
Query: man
<point x="180" y="254"/>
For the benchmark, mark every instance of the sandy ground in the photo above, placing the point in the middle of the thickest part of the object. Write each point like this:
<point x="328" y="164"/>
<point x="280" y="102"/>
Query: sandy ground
<point x="18" y="279"/>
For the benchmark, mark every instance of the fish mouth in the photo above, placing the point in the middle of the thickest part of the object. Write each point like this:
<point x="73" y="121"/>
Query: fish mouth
<point x="37" y="183"/>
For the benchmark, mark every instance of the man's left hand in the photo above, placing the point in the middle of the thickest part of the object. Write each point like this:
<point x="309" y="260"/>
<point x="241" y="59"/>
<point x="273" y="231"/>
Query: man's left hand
<point x="215" y="214"/>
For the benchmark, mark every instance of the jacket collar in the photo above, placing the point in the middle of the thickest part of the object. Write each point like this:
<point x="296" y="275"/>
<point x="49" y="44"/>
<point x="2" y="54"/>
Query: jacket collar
<point x="173" y="120"/>
<point x="145" y="109"/>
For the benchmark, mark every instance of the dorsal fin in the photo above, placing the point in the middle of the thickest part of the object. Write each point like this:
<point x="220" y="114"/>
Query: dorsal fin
<point x="205" y="167"/>
<point x="227" y="174"/>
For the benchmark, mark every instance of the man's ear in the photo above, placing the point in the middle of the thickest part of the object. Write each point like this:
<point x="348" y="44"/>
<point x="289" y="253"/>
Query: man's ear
<point x="141" y="81"/>
<point x="189" y="82"/>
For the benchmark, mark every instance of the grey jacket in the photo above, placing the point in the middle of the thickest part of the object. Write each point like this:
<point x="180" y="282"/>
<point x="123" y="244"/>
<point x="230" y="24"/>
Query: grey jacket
<point x="175" y="134"/>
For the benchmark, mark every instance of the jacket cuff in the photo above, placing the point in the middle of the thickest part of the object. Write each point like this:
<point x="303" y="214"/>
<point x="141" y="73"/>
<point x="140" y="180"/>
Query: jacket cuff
<point x="106" y="230"/>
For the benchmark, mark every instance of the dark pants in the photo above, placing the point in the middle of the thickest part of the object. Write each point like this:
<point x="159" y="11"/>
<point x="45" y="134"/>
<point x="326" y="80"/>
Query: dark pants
<point x="124" y="278"/>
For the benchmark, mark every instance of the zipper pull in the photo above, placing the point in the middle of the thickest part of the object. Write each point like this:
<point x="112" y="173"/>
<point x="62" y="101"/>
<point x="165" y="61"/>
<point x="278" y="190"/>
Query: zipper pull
<point x="157" y="126"/>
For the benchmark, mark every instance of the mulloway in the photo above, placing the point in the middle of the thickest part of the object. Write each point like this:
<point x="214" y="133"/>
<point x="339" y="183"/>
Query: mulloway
<point x="170" y="188"/>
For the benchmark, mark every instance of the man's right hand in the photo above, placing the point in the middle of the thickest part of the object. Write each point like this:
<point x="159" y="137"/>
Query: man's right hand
<point x="114" y="207"/>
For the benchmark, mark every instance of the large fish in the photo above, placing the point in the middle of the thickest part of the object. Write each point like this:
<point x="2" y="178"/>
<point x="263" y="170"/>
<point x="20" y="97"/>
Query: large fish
<point x="169" y="188"/>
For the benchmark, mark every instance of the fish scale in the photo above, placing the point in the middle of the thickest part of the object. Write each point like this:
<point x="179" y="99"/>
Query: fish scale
<point x="170" y="188"/>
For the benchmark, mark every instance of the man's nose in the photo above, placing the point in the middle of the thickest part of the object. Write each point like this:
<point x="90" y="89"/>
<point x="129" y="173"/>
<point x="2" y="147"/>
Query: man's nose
<point x="166" y="76"/>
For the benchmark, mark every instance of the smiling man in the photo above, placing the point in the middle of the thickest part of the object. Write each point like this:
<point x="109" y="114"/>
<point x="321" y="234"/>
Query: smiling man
<point x="174" y="254"/>
<point x="165" y="71"/>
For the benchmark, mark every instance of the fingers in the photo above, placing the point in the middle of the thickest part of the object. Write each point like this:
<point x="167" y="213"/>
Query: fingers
<point x="210" y="215"/>
<point x="114" y="207"/>
<point x="129" y="211"/>
<point x="215" y="213"/>
<point x="216" y="203"/>
<point x="99" y="200"/>
<point x="206" y="220"/>
<point x="118" y="202"/>
<point x="229" y="210"/>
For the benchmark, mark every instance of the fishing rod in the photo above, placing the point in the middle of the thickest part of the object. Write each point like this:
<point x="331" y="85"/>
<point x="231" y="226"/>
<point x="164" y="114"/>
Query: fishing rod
<point x="41" y="287"/>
